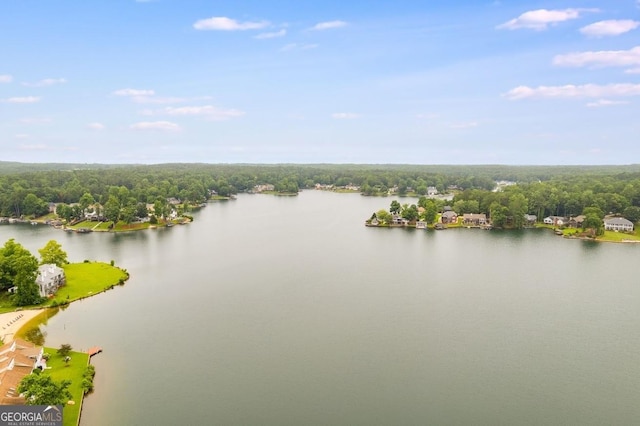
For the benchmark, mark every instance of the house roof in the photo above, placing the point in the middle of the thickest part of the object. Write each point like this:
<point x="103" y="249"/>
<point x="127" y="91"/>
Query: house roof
<point x="474" y="216"/>
<point x="618" y="221"/>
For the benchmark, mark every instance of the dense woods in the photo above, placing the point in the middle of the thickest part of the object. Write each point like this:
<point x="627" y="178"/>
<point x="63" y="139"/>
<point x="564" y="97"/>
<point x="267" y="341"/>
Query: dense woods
<point x="123" y="191"/>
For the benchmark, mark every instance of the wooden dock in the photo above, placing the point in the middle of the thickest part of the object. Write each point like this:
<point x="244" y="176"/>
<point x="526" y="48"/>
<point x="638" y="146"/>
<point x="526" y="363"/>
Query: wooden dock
<point x="94" y="351"/>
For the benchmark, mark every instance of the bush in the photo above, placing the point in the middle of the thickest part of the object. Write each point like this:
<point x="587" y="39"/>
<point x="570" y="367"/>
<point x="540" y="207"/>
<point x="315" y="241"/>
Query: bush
<point x="87" y="378"/>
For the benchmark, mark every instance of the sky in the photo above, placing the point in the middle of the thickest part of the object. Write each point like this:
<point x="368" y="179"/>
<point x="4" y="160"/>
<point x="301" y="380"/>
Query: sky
<point x="275" y="81"/>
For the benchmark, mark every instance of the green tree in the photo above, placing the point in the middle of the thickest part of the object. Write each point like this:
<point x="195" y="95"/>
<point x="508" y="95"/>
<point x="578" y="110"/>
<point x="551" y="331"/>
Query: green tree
<point x="18" y="267"/>
<point x="52" y="253"/>
<point x="40" y="389"/>
<point x="64" y="350"/>
<point x="112" y="209"/>
<point x="383" y="216"/>
<point x="32" y="205"/>
<point x="395" y="207"/>
<point x="64" y="211"/>
<point x="498" y="214"/>
<point x="632" y="213"/>
<point x="594" y="222"/>
<point x="594" y="210"/>
<point x="518" y="207"/>
<point x="410" y="212"/>
<point x="430" y="211"/>
<point x="85" y="201"/>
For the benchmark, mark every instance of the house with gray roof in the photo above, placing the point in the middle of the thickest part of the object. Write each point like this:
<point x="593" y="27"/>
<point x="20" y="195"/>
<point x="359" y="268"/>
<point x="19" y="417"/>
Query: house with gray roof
<point x="50" y="278"/>
<point x="474" y="219"/>
<point x="449" y="217"/>
<point x="618" y="224"/>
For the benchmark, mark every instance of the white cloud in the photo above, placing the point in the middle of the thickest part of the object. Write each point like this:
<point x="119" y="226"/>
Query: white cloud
<point x="166" y="126"/>
<point x="6" y="78"/>
<point x="573" y="91"/>
<point x="46" y="82"/>
<point x="605" y="102"/>
<point x="609" y="28"/>
<point x="328" y="25"/>
<point x="345" y="115"/>
<point x="134" y="92"/>
<point x="23" y="100"/>
<point x="222" y="23"/>
<point x="633" y="71"/>
<point x="22" y="136"/>
<point x="602" y="58"/>
<point x="208" y="111"/>
<point x="96" y="126"/>
<point x="540" y="19"/>
<point x="274" y="34"/>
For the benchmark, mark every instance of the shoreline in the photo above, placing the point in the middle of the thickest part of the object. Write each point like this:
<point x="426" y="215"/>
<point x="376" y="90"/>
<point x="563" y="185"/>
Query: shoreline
<point x="12" y="322"/>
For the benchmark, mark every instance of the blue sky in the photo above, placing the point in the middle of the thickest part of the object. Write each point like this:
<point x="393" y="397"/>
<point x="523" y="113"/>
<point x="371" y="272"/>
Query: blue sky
<point x="248" y="81"/>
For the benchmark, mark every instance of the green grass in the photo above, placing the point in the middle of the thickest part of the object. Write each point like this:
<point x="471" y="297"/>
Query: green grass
<point x="72" y="371"/>
<point x="87" y="279"/>
<point x="619" y="236"/>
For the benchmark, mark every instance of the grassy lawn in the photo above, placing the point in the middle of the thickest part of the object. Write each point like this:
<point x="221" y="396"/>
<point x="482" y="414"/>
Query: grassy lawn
<point x="619" y="236"/>
<point x="72" y="371"/>
<point x="86" y="279"/>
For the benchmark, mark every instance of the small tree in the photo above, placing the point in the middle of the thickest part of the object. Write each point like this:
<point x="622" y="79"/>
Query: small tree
<point x="52" y="253"/>
<point x="40" y="389"/>
<point x="64" y="350"/>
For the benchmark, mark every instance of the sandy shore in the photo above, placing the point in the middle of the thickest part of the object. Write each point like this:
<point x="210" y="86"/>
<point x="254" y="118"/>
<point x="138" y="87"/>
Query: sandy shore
<point x="11" y="322"/>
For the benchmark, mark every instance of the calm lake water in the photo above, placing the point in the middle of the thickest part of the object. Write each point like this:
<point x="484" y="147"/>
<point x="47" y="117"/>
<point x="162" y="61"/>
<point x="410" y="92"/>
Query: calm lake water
<point x="288" y="311"/>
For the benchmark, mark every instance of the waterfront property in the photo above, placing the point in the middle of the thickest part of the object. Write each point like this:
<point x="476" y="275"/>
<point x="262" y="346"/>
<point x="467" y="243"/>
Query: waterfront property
<point x="50" y="278"/>
<point x="474" y="219"/>
<point x="554" y="220"/>
<point x="449" y="216"/>
<point x="17" y="360"/>
<point x="618" y="224"/>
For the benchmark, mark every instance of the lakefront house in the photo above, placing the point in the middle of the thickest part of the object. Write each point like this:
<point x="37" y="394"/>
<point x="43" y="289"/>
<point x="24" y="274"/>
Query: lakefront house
<point x="618" y="224"/>
<point x="50" y="278"/>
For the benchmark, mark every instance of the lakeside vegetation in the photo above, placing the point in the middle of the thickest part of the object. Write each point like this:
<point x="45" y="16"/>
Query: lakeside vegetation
<point x="137" y="197"/>
<point x="19" y="272"/>
<point x="74" y="371"/>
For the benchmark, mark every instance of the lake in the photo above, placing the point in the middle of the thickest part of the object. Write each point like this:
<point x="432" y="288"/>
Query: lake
<point x="287" y="310"/>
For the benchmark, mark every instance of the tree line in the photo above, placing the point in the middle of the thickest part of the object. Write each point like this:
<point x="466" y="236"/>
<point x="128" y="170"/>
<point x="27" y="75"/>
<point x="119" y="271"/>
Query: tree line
<point x="123" y="191"/>
<point x="19" y="270"/>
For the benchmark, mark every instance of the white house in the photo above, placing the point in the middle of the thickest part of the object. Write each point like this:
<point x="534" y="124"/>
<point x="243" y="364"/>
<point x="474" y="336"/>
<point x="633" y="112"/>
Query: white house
<point x="50" y="278"/>
<point x="555" y="220"/>
<point x="618" y="224"/>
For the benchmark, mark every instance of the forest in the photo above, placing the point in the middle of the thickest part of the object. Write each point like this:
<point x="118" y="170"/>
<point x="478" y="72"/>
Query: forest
<point x="28" y="189"/>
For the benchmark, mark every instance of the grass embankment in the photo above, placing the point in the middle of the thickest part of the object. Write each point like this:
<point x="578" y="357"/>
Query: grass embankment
<point x="83" y="280"/>
<point x="123" y="226"/>
<point x="86" y="279"/>
<point x="74" y="372"/>
<point x="608" y="236"/>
